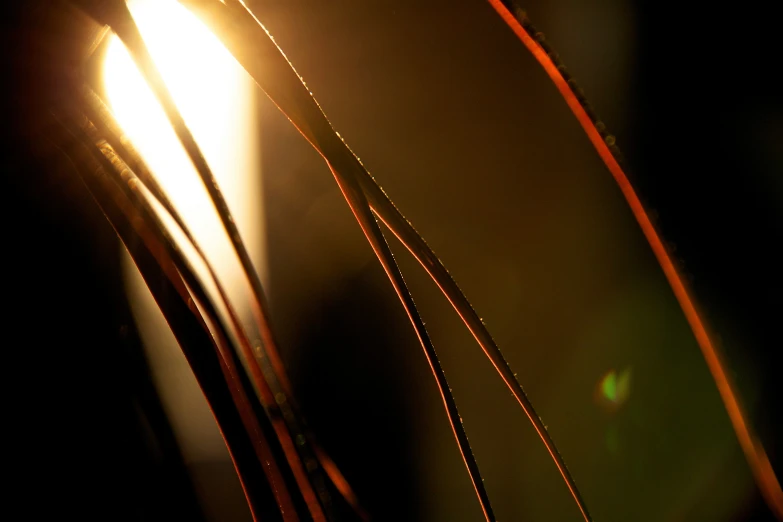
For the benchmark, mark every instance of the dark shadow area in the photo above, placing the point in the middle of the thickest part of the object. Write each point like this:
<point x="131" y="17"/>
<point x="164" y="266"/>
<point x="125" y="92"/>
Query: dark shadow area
<point x="353" y="385"/>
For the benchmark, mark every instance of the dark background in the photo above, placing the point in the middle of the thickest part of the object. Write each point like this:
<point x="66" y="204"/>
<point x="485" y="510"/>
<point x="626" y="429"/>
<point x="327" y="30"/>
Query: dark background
<point x="473" y="143"/>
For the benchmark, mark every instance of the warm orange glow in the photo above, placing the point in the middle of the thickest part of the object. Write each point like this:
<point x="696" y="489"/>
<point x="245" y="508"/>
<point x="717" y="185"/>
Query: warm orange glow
<point x="215" y="96"/>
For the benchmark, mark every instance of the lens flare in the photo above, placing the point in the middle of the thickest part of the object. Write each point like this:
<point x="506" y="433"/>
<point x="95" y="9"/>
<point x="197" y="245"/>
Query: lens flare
<point x="614" y="388"/>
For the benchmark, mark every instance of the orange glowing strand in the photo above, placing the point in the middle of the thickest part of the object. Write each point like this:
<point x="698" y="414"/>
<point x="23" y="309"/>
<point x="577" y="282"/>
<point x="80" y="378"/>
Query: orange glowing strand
<point x="269" y="67"/>
<point x="226" y="359"/>
<point x="268" y="364"/>
<point x="121" y="194"/>
<point x="353" y="194"/>
<point x="751" y="445"/>
<point x="281" y="83"/>
<point x="449" y="288"/>
<point x="104" y="119"/>
<point x="126" y="28"/>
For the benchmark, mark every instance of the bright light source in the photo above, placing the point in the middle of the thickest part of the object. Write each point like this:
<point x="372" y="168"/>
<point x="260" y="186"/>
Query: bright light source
<point x="215" y="97"/>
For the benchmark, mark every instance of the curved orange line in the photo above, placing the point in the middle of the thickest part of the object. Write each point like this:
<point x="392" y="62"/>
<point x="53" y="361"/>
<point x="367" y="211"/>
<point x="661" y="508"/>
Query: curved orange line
<point x="751" y="446"/>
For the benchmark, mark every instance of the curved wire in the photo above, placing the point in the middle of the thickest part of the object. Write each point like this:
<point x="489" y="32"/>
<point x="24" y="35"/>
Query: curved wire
<point x="408" y="236"/>
<point x="116" y="14"/>
<point x="101" y="116"/>
<point x="604" y="143"/>
<point x="130" y="214"/>
<point x="265" y="62"/>
<point x="111" y="143"/>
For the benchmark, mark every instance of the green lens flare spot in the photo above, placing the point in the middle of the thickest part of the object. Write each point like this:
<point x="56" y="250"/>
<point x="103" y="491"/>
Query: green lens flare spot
<point x="609" y="386"/>
<point x="616" y="388"/>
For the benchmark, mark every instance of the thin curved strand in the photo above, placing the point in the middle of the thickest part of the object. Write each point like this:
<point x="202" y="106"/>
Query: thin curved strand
<point x="407" y="235"/>
<point x="604" y="144"/>
<point x="108" y="143"/>
<point x="130" y="185"/>
<point x="99" y="115"/>
<point x="260" y="384"/>
<point x="347" y="169"/>
<point x="267" y="64"/>
<point x="116" y="14"/>
<point x="396" y="222"/>
<point x="127" y="30"/>
<point x="118" y="196"/>
<point x="363" y="214"/>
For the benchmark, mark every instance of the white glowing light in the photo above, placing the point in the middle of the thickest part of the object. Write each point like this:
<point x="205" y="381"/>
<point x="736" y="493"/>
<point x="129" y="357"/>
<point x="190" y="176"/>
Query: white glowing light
<point x="215" y="97"/>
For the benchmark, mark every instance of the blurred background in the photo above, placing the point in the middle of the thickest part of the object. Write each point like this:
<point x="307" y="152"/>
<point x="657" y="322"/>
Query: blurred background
<point x="473" y="143"/>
